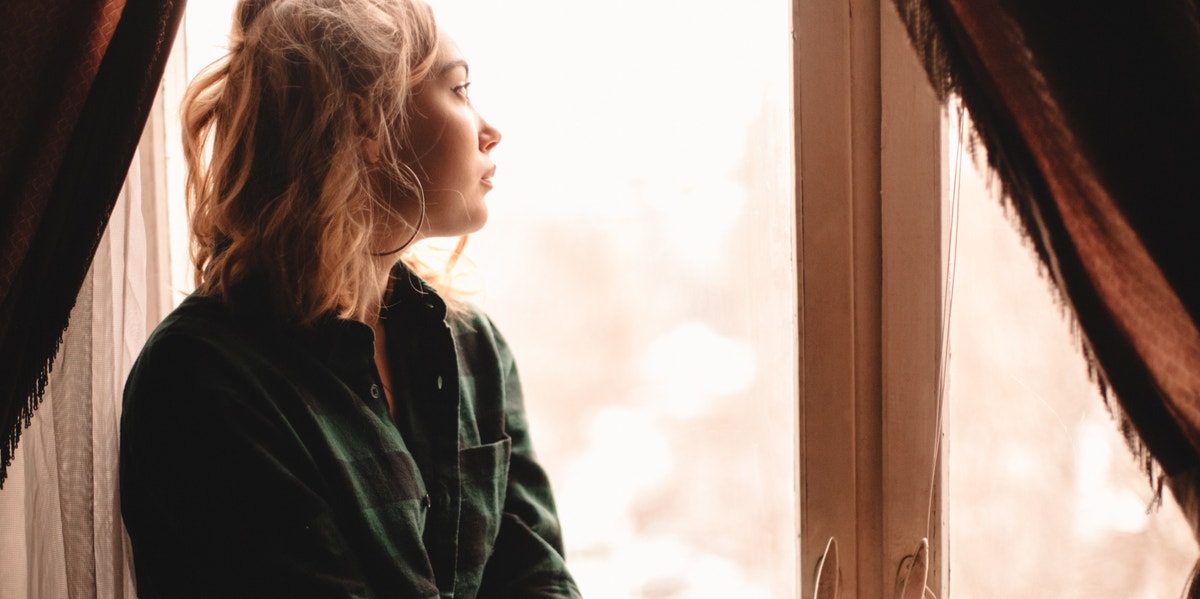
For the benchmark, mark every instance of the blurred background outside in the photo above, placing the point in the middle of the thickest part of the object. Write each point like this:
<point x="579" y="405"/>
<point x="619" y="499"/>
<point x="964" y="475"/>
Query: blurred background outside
<point x="1046" y="500"/>
<point x="638" y="260"/>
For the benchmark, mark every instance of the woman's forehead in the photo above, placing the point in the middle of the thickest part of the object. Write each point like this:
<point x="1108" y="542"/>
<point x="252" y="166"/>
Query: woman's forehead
<point x="449" y="54"/>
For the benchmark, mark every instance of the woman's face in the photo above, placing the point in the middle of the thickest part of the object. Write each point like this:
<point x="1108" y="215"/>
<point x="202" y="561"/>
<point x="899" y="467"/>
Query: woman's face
<point x="449" y="148"/>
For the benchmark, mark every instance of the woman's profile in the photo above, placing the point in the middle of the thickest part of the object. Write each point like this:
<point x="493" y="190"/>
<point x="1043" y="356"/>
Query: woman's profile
<point x="316" y="420"/>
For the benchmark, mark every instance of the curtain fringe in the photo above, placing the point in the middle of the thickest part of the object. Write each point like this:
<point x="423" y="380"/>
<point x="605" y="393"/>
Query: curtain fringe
<point x="932" y="36"/>
<point x="33" y="399"/>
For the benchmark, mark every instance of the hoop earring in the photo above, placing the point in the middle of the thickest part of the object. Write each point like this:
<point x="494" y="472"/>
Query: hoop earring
<point x="413" y="237"/>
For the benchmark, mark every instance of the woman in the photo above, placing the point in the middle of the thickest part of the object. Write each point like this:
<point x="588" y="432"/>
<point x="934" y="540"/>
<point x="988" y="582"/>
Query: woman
<point x="316" y="421"/>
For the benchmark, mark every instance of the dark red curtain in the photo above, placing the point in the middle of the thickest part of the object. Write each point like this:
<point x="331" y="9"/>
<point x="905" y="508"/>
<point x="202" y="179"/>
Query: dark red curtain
<point x="1090" y="114"/>
<point x="79" y="78"/>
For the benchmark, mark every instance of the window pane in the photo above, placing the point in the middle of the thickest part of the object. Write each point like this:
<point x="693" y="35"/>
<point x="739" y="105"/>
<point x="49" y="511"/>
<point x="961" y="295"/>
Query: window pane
<point x="1045" y="498"/>
<point x="638" y="258"/>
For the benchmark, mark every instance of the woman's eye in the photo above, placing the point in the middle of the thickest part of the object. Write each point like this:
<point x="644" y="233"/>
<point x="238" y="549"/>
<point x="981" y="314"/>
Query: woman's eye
<point x="462" y="89"/>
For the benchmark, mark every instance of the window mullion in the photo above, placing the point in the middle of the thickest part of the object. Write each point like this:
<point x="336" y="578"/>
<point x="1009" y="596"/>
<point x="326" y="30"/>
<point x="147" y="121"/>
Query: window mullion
<point x="869" y="251"/>
<point x="912" y="184"/>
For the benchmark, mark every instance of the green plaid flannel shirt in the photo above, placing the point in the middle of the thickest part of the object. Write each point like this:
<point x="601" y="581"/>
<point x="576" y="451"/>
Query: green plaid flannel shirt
<point x="259" y="459"/>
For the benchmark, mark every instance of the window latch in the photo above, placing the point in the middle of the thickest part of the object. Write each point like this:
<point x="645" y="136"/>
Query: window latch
<point x="829" y="574"/>
<point x="913" y="574"/>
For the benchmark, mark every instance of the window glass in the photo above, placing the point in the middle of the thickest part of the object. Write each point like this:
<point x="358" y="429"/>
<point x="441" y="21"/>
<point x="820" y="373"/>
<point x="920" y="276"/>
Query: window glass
<point x="1046" y="499"/>
<point x="639" y="259"/>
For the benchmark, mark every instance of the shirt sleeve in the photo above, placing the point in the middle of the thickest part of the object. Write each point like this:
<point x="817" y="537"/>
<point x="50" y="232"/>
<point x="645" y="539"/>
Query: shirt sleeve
<point x="528" y="559"/>
<point x="217" y="494"/>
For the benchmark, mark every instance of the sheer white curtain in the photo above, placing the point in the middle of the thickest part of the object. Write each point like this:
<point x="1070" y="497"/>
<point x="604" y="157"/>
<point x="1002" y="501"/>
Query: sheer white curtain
<point x="61" y="533"/>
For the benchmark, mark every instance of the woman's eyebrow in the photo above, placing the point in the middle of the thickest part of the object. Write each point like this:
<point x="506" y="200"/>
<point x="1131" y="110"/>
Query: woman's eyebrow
<point x="453" y="64"/>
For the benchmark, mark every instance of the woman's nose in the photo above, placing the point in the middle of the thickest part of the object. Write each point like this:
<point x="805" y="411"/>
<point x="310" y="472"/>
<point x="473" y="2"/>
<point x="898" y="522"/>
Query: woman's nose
<point x="489" y="136"/>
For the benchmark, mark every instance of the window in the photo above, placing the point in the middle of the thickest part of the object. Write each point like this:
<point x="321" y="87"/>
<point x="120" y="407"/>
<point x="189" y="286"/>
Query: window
<point x="721" y="261"/>
<point x="643" y="188"/>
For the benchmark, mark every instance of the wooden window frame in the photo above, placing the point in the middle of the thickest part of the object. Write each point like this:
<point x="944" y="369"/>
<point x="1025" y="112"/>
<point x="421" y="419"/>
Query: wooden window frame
<point x="870" y="173"/>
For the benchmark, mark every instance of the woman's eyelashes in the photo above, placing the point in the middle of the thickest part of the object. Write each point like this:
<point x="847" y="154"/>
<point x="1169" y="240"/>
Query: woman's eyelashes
<point x="461" y="89"/>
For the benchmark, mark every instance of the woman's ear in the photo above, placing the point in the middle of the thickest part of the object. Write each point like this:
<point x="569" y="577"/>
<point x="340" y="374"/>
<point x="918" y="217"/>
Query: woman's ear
<point x="366" y="128"/>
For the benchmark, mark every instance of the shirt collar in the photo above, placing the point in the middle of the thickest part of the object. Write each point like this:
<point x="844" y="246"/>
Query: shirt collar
<point x="344" y="344"/>
<point x="410" y="293"/>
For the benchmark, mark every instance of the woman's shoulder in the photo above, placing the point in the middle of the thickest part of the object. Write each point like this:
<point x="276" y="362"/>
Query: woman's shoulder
<point x="202" y="343"/>
<point x="481" y="346"/>
<point x="191" y="354"/>
<point x="469" y="317"/>
<point x="198" y="322"/>
<point x="471" y="321"/>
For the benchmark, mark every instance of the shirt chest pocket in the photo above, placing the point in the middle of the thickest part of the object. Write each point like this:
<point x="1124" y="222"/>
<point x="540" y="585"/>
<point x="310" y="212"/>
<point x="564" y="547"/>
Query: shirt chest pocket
<point x="484" y="479"/>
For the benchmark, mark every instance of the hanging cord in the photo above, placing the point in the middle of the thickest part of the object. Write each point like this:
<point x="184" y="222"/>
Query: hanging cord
<point x="947" y="303"/>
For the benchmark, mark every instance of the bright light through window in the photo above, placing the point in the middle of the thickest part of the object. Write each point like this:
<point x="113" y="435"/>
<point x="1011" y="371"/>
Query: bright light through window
<point x="639" y="259"/>
<point x="1045" y="498"/>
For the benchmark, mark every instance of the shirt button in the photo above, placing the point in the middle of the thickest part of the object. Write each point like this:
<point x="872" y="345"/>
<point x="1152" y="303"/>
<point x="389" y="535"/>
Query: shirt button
<point x="375" y="392"/>
<point x="439" y="383"/>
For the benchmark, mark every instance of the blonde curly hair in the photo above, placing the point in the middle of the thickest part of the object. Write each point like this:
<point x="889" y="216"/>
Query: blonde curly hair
<point x="273" y="132"/>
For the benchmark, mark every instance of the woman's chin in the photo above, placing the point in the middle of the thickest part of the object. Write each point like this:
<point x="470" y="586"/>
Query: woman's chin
<point x="465" y="224"/>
